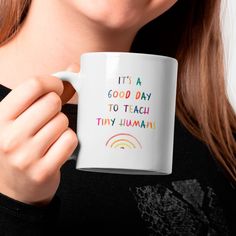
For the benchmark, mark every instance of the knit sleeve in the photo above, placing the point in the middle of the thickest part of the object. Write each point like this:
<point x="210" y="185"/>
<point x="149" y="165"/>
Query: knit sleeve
<point x="17" y="218"/>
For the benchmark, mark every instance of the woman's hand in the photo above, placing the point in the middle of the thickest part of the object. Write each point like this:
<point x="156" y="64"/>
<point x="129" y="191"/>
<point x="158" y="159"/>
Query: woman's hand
<point x="35" y="140"/>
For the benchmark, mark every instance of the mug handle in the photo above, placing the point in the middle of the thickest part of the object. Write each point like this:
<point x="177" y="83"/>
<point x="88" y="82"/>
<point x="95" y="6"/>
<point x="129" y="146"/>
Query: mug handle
<point x="75" y="80"/>
<point x="72" y="77"/>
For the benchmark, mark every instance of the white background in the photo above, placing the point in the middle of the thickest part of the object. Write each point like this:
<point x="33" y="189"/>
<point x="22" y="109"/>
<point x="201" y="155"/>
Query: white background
<point x="229" y="36"/>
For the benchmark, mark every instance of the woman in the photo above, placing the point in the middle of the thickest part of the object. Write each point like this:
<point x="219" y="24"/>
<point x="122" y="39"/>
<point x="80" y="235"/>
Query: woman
<point x="39" y="37"/>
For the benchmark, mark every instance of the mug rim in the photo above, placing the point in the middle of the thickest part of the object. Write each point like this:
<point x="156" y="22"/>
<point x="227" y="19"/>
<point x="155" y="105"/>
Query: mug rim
<point x="131" y="54"/>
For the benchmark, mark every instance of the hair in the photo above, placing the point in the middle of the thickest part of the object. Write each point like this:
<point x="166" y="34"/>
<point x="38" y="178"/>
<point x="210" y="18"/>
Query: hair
<point x="202" y="104"/>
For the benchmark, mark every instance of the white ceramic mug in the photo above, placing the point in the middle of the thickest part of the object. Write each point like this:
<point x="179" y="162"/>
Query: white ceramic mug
<point x="126" y="112"/>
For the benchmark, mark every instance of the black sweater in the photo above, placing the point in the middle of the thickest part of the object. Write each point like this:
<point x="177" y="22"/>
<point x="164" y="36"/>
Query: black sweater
<point x="196" y="199"/>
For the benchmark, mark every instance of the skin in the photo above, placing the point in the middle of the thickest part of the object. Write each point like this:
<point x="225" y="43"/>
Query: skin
<point x="32" y="153"/>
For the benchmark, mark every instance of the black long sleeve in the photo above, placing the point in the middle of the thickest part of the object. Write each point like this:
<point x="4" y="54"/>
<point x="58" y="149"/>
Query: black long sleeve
<point x="17" y="218"/>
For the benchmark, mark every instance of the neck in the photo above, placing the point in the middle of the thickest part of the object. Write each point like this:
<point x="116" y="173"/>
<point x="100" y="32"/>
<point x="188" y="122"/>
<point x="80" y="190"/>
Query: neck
<point x="54" y="36"/>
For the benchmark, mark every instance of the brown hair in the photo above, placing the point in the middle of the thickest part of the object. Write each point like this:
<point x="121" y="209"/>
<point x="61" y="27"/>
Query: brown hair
<point x="12" y="15"/>
<point x="202" y="103"/>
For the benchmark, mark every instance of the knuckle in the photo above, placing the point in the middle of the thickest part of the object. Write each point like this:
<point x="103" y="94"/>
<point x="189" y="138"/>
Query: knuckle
<point x="35" y="84"/>
<point x="64" y="119"/>
<point x="9" y="138"/>
<point x="39" y="177"/>
<point x="18" y="164"/>
<point x="54" y="100"/>
<point x="60" y="86"/>
<point x="7" y="144"/>
<point x="72" y="137"/>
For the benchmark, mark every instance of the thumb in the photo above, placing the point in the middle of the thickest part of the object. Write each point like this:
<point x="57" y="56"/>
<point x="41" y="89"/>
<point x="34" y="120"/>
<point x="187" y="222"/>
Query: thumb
<point x="73" y="67"/>
<point x="69" y="92"/>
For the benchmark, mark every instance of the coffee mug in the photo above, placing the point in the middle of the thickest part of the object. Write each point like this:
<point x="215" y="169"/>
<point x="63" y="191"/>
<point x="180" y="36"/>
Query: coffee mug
<point x="126" y="112"/>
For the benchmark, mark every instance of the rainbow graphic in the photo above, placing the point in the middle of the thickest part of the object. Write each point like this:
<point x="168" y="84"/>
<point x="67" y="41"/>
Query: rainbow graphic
<point x="123" y="141"/>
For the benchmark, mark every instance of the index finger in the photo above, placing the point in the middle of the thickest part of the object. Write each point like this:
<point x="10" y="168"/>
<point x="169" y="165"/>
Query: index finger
<point x="20" y="98"/>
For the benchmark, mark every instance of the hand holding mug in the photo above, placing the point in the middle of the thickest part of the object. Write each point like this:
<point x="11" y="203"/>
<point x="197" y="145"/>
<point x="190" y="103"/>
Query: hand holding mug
<point x="35" y="140"/>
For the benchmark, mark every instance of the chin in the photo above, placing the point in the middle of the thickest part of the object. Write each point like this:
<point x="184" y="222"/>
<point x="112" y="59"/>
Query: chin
<point x="114" y="14"/>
